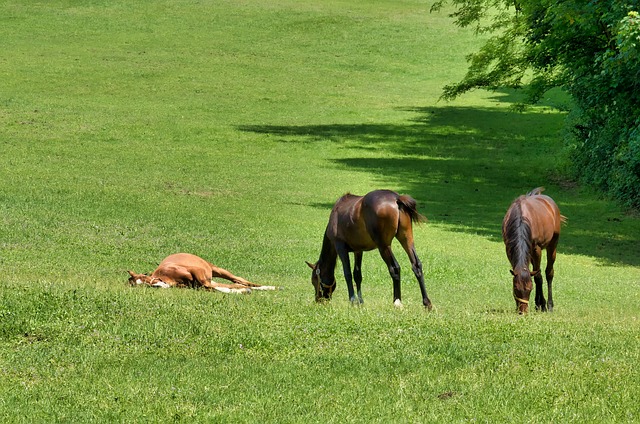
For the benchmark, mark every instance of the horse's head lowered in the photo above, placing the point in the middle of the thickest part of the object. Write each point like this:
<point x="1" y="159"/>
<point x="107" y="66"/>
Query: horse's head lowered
<point x="324" y="289"/>
<point x="522" y="287"/>
<point x="138" y="279"/>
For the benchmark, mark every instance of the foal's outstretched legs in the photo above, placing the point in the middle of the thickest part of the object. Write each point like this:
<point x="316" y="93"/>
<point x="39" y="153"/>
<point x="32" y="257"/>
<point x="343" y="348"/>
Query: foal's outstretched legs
<point x="217" y="272"/>
<point x="200" y="276"/>
<point x="227" y="288"/>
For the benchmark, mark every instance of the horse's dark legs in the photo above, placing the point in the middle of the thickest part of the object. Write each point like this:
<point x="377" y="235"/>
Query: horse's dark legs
<point x="536" y="257"/>
<point x="551" y="258"/>
<point x="417" y="270"/>
<point x="357" y="274"/>
<point x="394" y="271"/>
<point x="416" y="266"/>
<point x="343" y="254"/>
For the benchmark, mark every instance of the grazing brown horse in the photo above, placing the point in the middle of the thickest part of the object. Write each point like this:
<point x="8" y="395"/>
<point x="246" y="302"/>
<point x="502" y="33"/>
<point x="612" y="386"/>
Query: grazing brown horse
<point x="531" y="224"/>
<point x="187" y="270"/>
<point x="359" y="224"/>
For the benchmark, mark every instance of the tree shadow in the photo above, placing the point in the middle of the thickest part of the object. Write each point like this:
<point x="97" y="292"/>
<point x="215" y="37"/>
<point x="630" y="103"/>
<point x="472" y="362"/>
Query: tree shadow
<point x="555" y="98"/>
<point x="466" y="165"/>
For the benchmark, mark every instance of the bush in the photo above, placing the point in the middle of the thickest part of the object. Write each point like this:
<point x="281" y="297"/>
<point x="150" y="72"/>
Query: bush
<point x="590" y="49"/>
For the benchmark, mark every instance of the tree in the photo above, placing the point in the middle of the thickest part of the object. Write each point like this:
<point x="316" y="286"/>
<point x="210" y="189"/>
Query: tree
<point x="591" y="50"/>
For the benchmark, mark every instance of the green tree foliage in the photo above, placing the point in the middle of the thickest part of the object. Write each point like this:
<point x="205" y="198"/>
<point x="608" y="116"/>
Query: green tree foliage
<point x="590" y="49"/>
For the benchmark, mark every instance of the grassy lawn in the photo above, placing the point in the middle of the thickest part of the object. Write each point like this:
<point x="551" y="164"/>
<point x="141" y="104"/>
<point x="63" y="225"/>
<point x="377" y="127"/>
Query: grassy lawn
<point x="133" y="130"/>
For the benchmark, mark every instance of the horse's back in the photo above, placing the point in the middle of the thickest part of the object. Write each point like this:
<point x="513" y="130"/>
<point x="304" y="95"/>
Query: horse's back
<point x="344" y="213"/>
<point x="345" y="204"/>
<point x="544" y="216"/>
<point x="364" y="222"/>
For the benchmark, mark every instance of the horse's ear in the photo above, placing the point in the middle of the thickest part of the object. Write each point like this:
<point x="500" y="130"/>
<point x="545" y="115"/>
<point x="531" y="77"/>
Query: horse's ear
<point x="134" y="275"/>
<point x="312" y="266"/>
<point x="512" y="273"/>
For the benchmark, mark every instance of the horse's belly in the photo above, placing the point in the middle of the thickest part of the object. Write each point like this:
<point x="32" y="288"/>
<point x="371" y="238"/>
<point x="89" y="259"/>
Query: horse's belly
<point x="362" y="244"/>
<point x="362" y="247"/>
<point x="356" y="238"/>
<point x="543" y="234"/>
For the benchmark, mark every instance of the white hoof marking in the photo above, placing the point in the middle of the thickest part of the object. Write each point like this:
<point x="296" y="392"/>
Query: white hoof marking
<point x="222" y="289"/>
<point x="232" y="291"/>
<point x="264" y="288"/>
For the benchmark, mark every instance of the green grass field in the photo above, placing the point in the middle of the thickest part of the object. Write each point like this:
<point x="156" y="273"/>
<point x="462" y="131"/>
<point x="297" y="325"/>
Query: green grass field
<point x="133" y="130"/>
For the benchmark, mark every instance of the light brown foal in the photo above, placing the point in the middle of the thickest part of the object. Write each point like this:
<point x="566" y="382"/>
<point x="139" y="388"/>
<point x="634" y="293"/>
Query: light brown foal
<point x="187" y="270"/>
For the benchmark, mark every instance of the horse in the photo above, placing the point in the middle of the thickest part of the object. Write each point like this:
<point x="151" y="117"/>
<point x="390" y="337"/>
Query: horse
<point x="187" y="270"/>
<point x="362" y="223"/>
<point x="532" y="223"/>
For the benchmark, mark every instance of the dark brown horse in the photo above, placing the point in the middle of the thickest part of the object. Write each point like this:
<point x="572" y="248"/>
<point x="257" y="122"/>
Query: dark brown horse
<point x="531" y="224"/>
<point x="359" y="224"/>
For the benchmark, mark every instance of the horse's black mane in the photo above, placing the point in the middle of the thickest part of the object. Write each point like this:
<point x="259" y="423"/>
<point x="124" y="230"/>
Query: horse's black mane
<point x="517" y="236"/>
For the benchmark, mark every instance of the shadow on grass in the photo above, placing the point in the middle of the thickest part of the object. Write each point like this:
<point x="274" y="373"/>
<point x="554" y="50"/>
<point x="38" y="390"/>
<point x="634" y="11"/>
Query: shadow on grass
<point x="466" y="165"/>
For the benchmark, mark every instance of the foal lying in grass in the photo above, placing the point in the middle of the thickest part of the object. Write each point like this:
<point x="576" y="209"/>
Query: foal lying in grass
<point x="187" y="270"/>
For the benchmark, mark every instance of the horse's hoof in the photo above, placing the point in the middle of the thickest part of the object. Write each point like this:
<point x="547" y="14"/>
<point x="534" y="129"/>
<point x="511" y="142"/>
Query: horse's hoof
<point x="398" y="303"/>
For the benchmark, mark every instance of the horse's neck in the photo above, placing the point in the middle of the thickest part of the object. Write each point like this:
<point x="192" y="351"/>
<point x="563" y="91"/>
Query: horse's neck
<point x="328" y="257"/>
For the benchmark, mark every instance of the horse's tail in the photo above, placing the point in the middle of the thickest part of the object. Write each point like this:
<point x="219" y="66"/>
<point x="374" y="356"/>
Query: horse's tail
<point x="408" y="205"/>
<point x="536" y="191"/>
